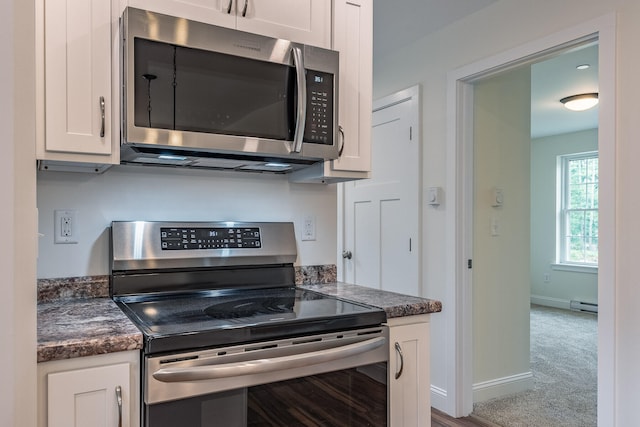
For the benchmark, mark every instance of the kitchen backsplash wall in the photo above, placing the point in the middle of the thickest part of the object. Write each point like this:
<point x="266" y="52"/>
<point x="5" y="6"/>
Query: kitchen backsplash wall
<point x="144" y="193"/>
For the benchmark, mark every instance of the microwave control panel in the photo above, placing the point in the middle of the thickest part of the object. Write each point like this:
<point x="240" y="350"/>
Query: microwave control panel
<point x="319" y="124"/>
<point x="210" y="238"/>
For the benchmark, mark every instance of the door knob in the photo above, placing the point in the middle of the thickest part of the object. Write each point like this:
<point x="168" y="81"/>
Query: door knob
<point x="347" y="254"/>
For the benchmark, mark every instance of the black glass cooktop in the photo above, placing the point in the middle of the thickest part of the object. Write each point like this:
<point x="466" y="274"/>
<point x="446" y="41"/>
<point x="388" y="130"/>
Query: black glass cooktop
<point x="223" y="317"/>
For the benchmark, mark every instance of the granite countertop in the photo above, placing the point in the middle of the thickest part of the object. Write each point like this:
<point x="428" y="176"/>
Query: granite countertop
<point x="394" y="304"/>
<point x="84" y="327"/>
<point x="76" y="318"/>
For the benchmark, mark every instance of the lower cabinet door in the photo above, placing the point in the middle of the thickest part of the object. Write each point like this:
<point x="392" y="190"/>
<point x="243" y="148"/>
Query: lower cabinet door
<point x="92" y="397"/>
<point x="409" y="382"/>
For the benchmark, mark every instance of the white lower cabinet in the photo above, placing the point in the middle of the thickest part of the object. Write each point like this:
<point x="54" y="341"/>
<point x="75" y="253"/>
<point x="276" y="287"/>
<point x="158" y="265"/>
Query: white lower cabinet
<point x="408" y="371"/>
<point x="95" y="391"/>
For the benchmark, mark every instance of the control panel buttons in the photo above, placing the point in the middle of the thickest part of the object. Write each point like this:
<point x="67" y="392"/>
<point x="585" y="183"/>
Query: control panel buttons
<point x="209" y="238"/>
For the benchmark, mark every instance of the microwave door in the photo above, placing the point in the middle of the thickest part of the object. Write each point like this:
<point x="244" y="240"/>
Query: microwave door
<point x="195" y="90"/>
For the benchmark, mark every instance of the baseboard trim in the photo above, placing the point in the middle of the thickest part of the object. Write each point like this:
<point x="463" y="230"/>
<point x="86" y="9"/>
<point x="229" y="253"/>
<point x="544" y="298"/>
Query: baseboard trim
<point x="439" y="398"/>
<point x="550" y="302"/>
<point x="502" y="386"/>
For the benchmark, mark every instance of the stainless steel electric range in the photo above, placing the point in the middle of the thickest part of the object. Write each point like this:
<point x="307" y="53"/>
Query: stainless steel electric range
<point x="229" y="340"/>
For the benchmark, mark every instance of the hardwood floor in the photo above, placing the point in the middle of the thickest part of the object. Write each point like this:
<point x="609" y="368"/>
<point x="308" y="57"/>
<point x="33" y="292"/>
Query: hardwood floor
<point x="440" y="419"/>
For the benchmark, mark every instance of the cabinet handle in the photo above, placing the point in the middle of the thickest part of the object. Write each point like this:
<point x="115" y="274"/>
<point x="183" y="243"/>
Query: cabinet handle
<point x="343" y="140"/>
<point x="102" y="115"/>
<point x="229" y="7"/>
<point x="399" y="350"/>
<point x="244" y="9"/>
<point x="119" y="400"/>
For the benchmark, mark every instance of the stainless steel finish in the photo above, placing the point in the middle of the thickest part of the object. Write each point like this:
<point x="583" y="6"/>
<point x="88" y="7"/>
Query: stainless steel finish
<point x="254" y="367"/>
<point x="399" y="351"/>
<point x="229" y="7"/>
<point x="301" y="116"/>
<point x="244" y="9"/>
<point x="163" y="28"/>
<point x="137" y="245"/>
<point x="347" y="255"/>
<point x="102" y="116"/>
<point x="341" y="132"/>
<point x="119" y="400"/>
<point x="361" y="347"/>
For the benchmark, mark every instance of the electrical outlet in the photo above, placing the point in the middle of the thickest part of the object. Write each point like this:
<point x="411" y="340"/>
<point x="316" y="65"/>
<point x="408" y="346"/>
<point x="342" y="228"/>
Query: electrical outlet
<point x="309" y="228"/>
<point x="65" y="226"/>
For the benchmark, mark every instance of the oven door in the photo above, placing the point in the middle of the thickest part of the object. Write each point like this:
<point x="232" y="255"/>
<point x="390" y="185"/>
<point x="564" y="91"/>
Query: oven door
<point x="332" y="379"/>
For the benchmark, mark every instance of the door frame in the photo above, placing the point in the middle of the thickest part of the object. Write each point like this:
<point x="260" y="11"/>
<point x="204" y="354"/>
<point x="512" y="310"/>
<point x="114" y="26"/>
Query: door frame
<point x="459" y="400"/>
<point x="411" y="94"/>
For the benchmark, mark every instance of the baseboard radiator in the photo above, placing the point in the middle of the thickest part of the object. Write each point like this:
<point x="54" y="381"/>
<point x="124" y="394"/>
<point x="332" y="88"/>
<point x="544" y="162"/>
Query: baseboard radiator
<point x="583" y="306"/>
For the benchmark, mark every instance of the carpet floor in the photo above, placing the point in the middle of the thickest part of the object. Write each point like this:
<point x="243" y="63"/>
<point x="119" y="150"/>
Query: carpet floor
<point x="564" y="367"/>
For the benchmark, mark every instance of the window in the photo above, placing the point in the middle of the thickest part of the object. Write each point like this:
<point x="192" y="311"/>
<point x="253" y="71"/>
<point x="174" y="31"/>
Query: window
<point x="578" y="230"/>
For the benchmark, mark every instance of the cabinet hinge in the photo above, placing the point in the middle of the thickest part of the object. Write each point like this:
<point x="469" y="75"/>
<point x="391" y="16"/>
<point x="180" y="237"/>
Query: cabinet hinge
<point x="409" y="244"/>
<point x="410" y="133"/>
<point x="469" y="263"/>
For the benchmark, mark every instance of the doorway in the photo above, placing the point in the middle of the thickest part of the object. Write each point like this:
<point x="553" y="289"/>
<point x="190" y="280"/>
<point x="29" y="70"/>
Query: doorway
<point x="460" y="188"/>
<point x="515" y="218"/>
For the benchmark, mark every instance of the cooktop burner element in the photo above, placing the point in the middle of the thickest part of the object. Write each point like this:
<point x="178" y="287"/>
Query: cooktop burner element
<point x="184" y="294"/>
<point x="250" y="307"/>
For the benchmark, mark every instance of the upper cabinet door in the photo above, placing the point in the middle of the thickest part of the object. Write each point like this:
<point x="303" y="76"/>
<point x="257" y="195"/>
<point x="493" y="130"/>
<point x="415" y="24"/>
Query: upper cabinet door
<point x="78" y="76"/>
<point x="353" y="38"/>
<point x="303" y="21"/>
<point x="216" y="12"/>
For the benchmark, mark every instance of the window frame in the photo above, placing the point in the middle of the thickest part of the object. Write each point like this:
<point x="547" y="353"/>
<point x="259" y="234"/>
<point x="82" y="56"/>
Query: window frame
<point x="563" y="194"/>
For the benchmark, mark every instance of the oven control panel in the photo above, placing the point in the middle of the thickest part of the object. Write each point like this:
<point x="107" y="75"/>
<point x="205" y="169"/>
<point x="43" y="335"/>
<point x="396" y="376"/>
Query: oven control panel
<point x="210" y="238"/>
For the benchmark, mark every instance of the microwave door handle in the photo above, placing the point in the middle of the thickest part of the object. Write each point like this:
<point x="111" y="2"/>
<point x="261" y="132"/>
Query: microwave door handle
<point x="259" y="366"/>
<point x="301" y="114"/>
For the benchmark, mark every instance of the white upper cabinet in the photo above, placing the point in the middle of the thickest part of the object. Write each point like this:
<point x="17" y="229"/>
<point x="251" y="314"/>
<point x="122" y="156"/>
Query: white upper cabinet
<point x="303" y="21"/>
<point x="353" y="38"/>
<point x="74" y="89"/>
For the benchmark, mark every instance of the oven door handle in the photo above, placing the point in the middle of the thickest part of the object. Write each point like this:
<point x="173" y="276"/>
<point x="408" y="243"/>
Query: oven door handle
<point x="259" y="366"/>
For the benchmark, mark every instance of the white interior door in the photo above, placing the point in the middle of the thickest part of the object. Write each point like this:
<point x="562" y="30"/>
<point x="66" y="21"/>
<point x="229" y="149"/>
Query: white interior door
<point x="381" y="214"/>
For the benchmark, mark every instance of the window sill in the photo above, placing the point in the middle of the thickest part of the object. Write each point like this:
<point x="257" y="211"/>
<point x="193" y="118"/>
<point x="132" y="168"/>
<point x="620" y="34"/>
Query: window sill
<point x="576" y="268"/>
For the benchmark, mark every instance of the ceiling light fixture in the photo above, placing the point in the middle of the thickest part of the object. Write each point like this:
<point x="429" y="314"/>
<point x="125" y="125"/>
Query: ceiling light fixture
<point x="583" y="66"/>
<point x="580" y="102"/>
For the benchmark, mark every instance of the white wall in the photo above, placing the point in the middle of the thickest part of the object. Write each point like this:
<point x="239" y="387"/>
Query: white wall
<point x="167" y="194"/>
<point x="18" y="215"/>
<point x="506" y="25"/>
<point x="7" y="181"/>
<point x="563" y="286"/>
<point x="501" y="242"/>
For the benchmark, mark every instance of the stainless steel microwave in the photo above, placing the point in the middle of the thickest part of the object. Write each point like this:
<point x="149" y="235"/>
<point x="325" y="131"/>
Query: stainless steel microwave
<point x="203" y="96"/>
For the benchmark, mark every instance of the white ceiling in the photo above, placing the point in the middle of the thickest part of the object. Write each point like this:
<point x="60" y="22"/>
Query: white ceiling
<point x="401" y="22"/>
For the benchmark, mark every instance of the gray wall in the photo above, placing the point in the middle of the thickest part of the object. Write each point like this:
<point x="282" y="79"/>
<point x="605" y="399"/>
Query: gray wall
<point x="563" y="286"/>
<point x="501" y="242"/>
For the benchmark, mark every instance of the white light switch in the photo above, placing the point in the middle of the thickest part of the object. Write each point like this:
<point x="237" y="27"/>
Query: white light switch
<point x="434" y="196"/>
<point x="497" y="198"/>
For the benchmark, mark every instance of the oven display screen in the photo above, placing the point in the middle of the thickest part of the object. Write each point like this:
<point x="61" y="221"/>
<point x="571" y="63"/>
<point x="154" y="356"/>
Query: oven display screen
<point x="209" y="238"/>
